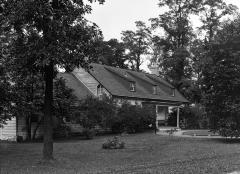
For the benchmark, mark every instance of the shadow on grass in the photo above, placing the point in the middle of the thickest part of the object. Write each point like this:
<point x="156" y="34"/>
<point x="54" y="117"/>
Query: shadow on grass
<point x="227" y="140"/>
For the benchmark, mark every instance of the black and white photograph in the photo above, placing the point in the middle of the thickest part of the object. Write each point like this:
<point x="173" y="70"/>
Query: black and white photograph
<point x="120" y="87"/>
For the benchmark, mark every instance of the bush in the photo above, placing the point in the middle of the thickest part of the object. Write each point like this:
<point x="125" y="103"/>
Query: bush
<point x="113" y="143"/>
<point x="229" y="128"/>
<point x="106" y="114"/>
<point x="89" y="133"/>
<point x="191" y="117"/>
<point x="61" y="131"/>
<point x="132" y="119"/>
<point x="93" y="113"/>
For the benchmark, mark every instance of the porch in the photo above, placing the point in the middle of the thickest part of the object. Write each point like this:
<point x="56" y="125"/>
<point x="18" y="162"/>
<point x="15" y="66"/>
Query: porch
<point x="162" y="114"/>
<point x="162" y="111"/>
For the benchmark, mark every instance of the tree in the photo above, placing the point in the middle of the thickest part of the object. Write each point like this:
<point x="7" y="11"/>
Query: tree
<point x="211" y="13"/>
<point x="28" y="98"/>
<point x="51" y="33"/>
<point x="174" y="59"/>
<point x="65" y="102"/>
<point x="5" y="96"/>
<point x="136" y="44"/>
<point x="221" y="81"/>
<point x="5" y="85"/>
<point x="28" y="92"/>
<point x="113" y="53"/>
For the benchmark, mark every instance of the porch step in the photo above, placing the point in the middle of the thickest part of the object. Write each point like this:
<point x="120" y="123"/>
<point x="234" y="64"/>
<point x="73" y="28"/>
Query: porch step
<point x="168" y="130"/>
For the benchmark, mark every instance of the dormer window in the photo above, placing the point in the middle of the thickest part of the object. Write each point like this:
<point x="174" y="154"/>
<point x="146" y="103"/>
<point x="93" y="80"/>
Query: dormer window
<point x="155" y="89"/>
<point x="132" y="87"/>
<point x="173" y="92"/>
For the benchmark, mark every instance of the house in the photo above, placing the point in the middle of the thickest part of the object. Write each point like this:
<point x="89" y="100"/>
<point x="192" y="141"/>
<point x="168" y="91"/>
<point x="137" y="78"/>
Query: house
<point x="120" y="84"/>
<point x="127" y="85"/>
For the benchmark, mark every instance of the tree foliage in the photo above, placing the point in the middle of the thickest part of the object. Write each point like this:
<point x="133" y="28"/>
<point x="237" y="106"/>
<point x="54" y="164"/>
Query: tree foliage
<point x="112" y="53"/>
<point x="50" y="33"/>
<point x="64" y="101"/>
<point x="133" y="118"/>
<point x="191" y="117"/>
<point x="92" y="113"/>
<point x="28" y="92"/>
<point x="221" y="80"/>
<point x="5" y="97"/>
<point x="211" y="13"/>
<point x="136" y="44"/>
<point x="5" y="85"/>
<point x="174" y="58"/>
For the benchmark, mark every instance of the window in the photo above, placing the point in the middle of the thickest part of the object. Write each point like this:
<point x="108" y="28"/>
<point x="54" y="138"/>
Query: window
<point x="132" y="87"/>
<point x="154" y="89"/>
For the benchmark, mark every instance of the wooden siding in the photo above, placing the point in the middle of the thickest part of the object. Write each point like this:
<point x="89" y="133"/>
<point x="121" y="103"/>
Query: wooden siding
<point x="22" y="131"/>
<point x="8" y="131"/>
<point x="90" y="82"/>
<point x="120" y="101"/>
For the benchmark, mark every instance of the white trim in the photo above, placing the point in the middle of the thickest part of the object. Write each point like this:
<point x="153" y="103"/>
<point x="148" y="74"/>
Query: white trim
<point x="178" y="112"/>
<point x="1" y="130"/>
<point x="132" y="87"/>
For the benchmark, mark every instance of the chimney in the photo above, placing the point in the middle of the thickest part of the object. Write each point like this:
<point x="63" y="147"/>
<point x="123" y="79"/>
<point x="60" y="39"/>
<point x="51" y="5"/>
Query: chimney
<point x="154" y="69"/>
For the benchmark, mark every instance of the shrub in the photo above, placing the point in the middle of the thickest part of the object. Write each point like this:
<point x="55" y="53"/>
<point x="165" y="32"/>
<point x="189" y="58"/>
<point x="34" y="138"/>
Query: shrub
<point x="61" y="131"/>
<point x="106" y="114"/>
<point x="113" y="143"/>
<point x="93" y="112"/>
<point x="229" y="128"/>
<point x="191" y="117"/>
<point x="133" y="118"/>
<point x="89" y="133"/>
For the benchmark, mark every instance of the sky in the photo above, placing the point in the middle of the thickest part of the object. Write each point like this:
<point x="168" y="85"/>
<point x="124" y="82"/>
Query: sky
<point x="115" y="16"/>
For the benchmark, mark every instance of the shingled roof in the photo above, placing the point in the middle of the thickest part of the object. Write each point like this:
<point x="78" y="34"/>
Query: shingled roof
<point x="79" y="89"/>
<point x="117" y="82"/>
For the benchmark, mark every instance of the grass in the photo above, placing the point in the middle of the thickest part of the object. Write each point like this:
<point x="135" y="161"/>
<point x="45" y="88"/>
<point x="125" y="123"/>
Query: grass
<point x="144" y="154"/>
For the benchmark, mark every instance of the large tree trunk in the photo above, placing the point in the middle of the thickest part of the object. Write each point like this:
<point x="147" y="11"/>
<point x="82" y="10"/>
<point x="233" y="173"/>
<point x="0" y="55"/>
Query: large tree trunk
<point x="48" y="119"/>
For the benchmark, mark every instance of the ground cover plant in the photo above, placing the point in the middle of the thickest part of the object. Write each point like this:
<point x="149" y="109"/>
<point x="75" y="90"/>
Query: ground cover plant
<point x="113" y="143"/>
<point x="143" y="153"/>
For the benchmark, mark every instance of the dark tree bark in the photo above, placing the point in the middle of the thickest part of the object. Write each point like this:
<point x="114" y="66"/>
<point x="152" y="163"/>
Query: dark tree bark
<point x="48" y="119"/>
<point x="29" y="127"/>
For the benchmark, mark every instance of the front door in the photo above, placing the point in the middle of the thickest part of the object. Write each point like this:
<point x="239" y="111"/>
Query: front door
<point x="161" y="112"/>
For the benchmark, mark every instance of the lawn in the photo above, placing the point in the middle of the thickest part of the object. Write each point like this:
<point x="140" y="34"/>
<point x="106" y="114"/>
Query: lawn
<point x="144" y="153"/>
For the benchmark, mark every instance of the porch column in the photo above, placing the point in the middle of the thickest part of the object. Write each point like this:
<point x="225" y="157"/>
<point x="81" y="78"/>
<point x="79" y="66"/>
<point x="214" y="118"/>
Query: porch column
<point x="178" y="117"/>
<point x="156" y="123"/>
